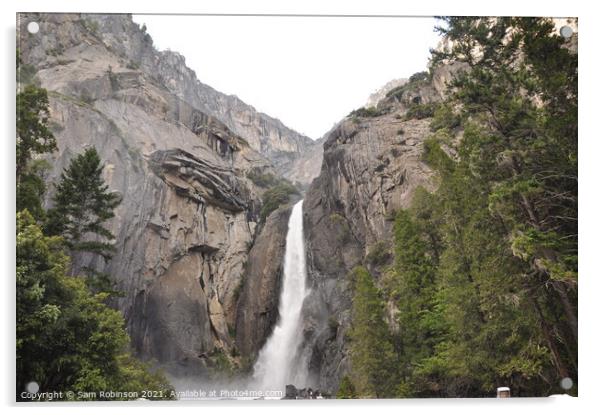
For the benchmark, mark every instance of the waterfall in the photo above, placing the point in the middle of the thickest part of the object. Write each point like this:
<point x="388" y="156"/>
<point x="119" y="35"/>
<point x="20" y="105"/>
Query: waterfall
<point x="279" y="362"/>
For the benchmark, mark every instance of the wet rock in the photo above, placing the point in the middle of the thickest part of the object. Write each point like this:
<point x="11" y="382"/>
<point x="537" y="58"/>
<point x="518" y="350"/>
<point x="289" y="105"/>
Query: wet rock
<point x="260" y="290"/>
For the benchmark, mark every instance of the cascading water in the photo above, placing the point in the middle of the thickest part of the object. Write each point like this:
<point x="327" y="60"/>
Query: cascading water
<point x="278" y="363"/>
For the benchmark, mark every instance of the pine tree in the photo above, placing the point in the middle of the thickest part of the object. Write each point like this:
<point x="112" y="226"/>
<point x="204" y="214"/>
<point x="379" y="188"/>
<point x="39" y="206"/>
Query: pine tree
<point x="33" y="134"/>
<point x="414" y="290"/>
<point x="373" y="360"/>
<point x="32" y="188"/>
<point x="82" y="205"/>
<point x="33" y="137"/>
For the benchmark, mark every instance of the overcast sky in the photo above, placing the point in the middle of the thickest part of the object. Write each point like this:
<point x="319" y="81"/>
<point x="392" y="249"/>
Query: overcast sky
<point x="307" y="71"/>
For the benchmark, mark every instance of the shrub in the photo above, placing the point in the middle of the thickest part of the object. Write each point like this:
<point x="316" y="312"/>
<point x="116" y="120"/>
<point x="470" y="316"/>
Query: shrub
<point x="434" y="156"/>
<point x="260" y="179"/>
<point x="132" y="65"/>
<point x="275" y="197"/>
<point x="366" y="112"/>
<point x="346" y="389"/>
<point x="445" y="117"/>
<point x="219" y="364"/>
<point x="91" y="26"/>
<point x="419" y="76"/>
<point x="378" y="254"/>
<point x="421" y="111"/>
<point x="417" y="80"/>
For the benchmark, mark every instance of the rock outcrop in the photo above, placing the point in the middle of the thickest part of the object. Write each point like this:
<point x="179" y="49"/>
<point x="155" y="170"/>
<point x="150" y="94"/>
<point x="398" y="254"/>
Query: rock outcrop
<point x="258" y="303"/>
<point x="381" y="93"/>
<point x="179" y="153"/>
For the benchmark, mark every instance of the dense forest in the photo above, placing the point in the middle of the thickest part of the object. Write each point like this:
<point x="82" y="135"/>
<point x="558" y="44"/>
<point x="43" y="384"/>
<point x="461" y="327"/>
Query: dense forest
<point x="484" y="270"/>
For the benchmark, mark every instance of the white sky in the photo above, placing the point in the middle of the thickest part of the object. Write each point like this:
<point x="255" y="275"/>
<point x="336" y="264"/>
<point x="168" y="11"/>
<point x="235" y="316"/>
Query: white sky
<point x="307" y="71"/>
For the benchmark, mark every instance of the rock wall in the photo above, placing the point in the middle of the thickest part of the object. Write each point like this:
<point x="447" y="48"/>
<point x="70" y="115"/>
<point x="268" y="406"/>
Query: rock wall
<point x="258" y="304"/>
<point x="371" y="167"/>
<point x="267" y="135"/>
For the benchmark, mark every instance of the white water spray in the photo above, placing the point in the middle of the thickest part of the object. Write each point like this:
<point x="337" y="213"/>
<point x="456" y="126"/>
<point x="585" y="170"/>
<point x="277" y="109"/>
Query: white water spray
<point x="279" y="362"/>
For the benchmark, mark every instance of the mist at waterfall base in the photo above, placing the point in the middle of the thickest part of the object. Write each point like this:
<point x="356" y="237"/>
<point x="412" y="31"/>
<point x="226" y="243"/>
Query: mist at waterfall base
<point x="280" y="361"/>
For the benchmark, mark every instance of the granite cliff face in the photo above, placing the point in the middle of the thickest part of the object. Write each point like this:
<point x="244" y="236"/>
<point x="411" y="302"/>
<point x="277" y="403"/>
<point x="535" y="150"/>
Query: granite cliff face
<point x="258" y="304"/>
<point x="266" y="135"/>
<point x="372" y="165"/>
<point x="179" y="153"/>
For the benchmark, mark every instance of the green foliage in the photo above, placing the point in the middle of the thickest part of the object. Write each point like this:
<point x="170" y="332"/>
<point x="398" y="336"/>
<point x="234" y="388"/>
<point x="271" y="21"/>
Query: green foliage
<point x="419" y="76"/>
<point x="434" y="156"/>
<point x="31" y="189"/>
<point x="275" y="197"/>
<point x="91" y="26"/>
<point x="33" y="137"/>
<point x="220" y="366"/>
<point x="33" y="134"/>
<point x="445" y="117"/>
<point x="521" y="141"/>
<point x="419" y="111"/>
<point x="25" y="73"/>
<point x="378" y="254"/>
<point x="416" y="81"/>
<point x="132" y="65"/>
<point x="68" y="339"/>
<point x="346" y="389"/>
<point x="372" y="353"/>
<point x="369" y="112"/>
<point x="260" y="179"/>
<point x="82" y="206"/>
